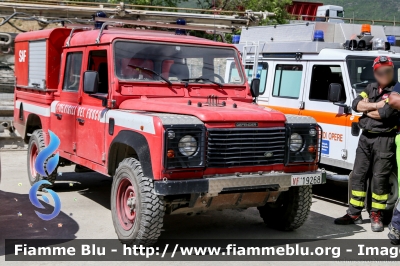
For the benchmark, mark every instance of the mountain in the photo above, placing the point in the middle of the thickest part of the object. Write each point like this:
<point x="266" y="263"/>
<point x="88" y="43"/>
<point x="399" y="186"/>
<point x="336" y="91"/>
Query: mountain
<point x="368" y="9"/>
<point x="362" y="9"/>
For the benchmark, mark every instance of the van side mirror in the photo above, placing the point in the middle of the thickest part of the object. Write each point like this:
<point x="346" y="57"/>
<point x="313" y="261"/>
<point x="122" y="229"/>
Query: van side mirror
<point x="255" y="87"/>
<point x="334" y="92"/>
<point x="334" y="96"/>
<point x="90" y="82"/>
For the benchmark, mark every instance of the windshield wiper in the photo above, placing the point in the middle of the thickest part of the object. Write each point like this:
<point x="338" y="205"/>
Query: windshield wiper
<point x="204" y="79"/>
<point x="152" y="71"/>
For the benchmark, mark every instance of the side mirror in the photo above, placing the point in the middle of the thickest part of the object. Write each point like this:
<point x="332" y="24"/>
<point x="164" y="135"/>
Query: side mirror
<point x="334" y="92"/>
<point x="90" y="82"/>
<point x="255" y="87"/>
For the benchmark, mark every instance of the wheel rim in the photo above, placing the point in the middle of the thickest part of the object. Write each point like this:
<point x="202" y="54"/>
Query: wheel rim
<point x="126" y="204"/>
<point x="32" y="159"/>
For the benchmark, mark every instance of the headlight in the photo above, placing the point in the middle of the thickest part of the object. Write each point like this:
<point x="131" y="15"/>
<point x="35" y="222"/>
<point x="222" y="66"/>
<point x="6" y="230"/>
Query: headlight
<point x="187" y="145"/>
<point x="296" y="142"/>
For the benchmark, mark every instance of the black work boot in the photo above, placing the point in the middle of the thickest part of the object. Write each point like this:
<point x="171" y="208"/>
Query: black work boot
<point x="376" y="221"/>
<point x="394" y="235"/>
<point x="349" y="219"/>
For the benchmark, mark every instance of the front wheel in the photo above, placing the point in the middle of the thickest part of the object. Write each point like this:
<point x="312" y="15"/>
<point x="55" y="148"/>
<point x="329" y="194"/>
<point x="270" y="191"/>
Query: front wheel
<point x="137" y="212"/>
<point x="290" y="211"/>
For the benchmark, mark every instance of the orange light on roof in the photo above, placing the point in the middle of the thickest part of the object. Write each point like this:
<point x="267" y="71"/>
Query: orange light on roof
<point x="365" y="28"/>
<point x="170" y="154"/>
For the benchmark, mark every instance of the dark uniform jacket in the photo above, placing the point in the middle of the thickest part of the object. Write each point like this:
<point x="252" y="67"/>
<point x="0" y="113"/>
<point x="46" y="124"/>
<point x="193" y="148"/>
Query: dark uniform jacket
<point x="389" y="116"/>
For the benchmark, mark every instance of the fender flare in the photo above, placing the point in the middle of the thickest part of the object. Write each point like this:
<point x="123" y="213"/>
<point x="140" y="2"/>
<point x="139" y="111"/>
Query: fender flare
<point x="138" y="143"/>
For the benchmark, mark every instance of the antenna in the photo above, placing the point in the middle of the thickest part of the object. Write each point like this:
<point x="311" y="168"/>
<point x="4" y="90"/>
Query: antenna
<point x="215" y="9"/>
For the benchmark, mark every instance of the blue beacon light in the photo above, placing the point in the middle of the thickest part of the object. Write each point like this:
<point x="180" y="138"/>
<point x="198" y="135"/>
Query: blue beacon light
<point x="319" y="36"/>
<point x="180" y="31"/>
<point x="391" y="39"/>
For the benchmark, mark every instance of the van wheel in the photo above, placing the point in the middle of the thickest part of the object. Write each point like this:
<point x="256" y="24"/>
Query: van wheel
<point x="36" y="144"/>
<point x="137" y="212"/>
<point x="290" y="211"/>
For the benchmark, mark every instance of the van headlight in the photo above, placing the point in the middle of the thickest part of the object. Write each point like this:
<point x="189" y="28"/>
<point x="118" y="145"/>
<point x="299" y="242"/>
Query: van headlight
<point x="187" y="145"/>
<point x="296" y="142"/>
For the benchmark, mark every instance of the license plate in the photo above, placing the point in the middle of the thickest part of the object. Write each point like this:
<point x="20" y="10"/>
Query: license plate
<point x="307" y="179"/>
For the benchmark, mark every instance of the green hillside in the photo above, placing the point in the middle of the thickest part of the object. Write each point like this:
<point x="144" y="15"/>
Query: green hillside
<point x="368" y="9"/>
<point x="362" y="9"/>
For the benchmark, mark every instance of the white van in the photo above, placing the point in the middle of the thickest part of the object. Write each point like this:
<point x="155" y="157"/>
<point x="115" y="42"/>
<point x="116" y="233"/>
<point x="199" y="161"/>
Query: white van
<point x="330" y="13"/>
<point x="296" y="63"/>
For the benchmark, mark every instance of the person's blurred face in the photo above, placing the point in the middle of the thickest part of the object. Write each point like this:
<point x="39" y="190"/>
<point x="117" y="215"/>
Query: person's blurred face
<point x="384" y="75"/>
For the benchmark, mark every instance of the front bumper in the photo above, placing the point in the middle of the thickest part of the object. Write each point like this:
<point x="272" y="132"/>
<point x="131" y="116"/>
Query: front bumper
<point x="215" y="185"/>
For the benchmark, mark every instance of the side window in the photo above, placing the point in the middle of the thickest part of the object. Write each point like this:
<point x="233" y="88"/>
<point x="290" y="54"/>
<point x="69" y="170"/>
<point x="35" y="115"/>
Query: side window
<point x="287" y="81"/>
<point x="72" y="75"/>
<point x="234" y="76"/>
<point x="262" y="72"/>
<point x="322" y="76"/>
<point x="98" y="62"/>
<point x="197" y="68"/>
<point x="219" y="68"/>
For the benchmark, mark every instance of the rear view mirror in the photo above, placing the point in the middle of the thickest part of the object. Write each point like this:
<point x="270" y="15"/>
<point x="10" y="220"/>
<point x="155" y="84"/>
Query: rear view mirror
<point x="334" y="93"/>
<point x="90" y="82"/>
<point x="255" y="87"/>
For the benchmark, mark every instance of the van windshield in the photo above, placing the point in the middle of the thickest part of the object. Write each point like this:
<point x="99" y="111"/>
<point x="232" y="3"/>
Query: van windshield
<point x="361" y="72"/>
<point x="174" y="62"/>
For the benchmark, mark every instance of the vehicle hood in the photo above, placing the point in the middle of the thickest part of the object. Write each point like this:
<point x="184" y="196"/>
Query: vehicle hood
<point x="242" y="113"/>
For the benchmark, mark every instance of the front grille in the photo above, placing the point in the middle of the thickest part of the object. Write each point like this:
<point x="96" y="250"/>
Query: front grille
<point x="245" y="147"/>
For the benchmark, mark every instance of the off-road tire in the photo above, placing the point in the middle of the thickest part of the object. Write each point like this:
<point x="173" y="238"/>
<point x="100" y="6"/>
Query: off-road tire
<point x="290" y="211"/>
<point x="37" y="140"/>
<point x="149" y="208"/>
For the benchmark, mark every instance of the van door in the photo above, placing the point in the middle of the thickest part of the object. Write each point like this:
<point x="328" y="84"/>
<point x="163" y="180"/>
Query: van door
<point x="332" y="118"/>
<point x="284" y="86"/>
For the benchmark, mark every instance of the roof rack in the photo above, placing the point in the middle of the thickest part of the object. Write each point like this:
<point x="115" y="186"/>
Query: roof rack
<point x="73" y="9"/>
<point x="209" y="28"/>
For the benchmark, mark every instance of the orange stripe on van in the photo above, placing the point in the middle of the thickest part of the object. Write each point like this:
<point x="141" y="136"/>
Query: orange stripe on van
<point x="321" y="117"/>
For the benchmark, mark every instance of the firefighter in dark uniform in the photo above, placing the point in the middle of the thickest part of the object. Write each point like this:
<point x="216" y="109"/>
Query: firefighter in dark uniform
<point x="376" y="146"/>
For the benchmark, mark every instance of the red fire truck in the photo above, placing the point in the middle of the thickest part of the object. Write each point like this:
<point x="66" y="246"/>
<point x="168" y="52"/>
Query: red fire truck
<point x="152" y="110"/>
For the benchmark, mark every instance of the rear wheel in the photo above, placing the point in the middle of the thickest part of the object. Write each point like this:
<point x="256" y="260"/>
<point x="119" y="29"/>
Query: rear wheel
<point x="137" y="212"/>
<point x="36" y="144"/>
<point x="290" y="211"/>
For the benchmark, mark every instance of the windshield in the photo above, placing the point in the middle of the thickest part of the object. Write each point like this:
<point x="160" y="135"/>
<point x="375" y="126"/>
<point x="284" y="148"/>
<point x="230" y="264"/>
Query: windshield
<point x="361" y="72"/>
<point x="175" y="62"/>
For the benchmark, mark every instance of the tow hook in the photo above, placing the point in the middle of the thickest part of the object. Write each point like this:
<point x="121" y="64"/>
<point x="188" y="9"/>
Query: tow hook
<point x="131" y="202"/>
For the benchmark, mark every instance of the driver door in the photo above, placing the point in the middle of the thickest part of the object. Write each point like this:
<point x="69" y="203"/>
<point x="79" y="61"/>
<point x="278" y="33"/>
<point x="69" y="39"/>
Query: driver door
<point x="65" y="105"/>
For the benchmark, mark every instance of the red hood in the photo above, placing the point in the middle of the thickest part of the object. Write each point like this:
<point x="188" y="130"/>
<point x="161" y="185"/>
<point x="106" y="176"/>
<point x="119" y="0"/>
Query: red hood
<point x="243" y="112"/>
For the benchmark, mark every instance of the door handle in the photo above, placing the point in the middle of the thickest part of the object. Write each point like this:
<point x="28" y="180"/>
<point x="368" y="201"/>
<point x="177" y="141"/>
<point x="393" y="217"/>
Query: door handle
<point x="59" y="116"/>
<point x="81" y="120"/>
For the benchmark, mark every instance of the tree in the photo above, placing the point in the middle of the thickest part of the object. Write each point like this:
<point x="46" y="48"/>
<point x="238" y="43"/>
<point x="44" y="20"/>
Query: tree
<point x="276" y="6"/>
